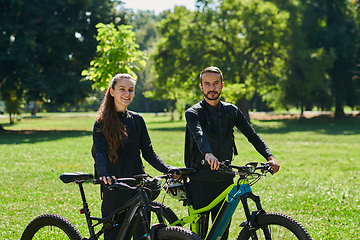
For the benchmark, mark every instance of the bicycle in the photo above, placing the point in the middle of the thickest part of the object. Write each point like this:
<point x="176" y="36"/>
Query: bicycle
<point x="258" y="223"/>
<point x="53" y="226"/>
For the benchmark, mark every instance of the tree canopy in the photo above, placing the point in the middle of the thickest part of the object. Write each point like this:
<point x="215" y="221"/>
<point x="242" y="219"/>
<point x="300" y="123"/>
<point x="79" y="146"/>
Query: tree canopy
<point x="280" y="53"/>
<point x="117" y="52"/>
<point x="45" y="45"/>
<point x="322" y="44"/>
<point x="242" y="38"/>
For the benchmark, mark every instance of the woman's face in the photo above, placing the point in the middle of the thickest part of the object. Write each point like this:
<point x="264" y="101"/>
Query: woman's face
<point x="123" y="93"/>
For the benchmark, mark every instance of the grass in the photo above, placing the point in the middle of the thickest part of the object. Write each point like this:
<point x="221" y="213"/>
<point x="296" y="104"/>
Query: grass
<point x="318" y="183"/>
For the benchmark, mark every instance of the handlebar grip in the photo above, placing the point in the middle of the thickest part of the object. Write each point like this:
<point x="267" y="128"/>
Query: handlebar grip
<point x="97" y="181"/>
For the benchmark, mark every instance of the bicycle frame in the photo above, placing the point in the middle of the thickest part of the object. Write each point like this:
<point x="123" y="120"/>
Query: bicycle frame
<point x="230" y="199"/>
<point x="135" y="208"/>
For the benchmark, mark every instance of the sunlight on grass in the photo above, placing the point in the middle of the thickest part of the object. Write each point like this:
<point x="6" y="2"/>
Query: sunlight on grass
<point x="318" y="183"/>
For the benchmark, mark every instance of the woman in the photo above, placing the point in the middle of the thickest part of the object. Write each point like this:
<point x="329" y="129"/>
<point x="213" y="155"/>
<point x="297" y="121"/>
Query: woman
<point x="118" y="137"/>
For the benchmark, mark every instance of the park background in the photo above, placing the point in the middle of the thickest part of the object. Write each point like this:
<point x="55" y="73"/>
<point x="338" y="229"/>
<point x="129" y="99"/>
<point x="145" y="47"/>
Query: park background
<point x="291" y="66"/>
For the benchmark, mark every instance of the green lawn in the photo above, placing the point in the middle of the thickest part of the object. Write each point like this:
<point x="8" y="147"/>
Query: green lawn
<point x="318" y="183"/>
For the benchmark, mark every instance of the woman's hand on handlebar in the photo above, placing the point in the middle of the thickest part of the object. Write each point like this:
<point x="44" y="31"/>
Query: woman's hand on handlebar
<point x="213" y="161"/>
<point x="175" y="172"/>
<point x="107" y="179"/>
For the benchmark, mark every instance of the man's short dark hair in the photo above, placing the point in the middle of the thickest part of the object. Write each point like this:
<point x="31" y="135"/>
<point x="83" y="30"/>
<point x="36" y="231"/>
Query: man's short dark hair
<point x="211" y="69"/>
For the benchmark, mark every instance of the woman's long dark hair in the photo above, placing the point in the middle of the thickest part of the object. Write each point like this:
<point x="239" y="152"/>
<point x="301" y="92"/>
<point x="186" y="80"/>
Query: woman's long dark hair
<point x="113" y="129"/>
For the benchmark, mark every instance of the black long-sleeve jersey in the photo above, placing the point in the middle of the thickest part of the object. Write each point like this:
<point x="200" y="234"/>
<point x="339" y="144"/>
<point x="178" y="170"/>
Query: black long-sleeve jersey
<point x="129" y="162"/>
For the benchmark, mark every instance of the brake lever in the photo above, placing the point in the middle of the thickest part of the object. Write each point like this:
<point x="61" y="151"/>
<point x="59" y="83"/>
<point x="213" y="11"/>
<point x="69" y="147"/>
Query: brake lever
<point x="120" y="185"/>
<point x="266" y="168"/>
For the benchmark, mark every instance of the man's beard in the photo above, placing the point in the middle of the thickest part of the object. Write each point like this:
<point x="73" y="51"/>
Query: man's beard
<point x="212" y="98"/>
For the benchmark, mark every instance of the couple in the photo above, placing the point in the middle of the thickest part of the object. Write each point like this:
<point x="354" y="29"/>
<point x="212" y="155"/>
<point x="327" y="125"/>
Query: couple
<point x="120" y="135"/>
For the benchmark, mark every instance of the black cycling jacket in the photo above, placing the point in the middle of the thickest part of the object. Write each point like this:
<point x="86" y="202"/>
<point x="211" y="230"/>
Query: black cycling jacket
<point x="129" y="162"/>
<point x="210" y="130"/>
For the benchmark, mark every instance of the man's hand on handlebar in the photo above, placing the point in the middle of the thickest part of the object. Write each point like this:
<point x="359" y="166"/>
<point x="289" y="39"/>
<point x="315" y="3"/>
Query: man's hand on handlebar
<point x="213" y="161"/>
<point x="274" y="164"/>
<point x="107" y="179"/>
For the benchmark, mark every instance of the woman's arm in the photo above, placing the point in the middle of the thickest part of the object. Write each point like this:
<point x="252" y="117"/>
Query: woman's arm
<point x="100" y="150"/>
<point x="146" y="148"/>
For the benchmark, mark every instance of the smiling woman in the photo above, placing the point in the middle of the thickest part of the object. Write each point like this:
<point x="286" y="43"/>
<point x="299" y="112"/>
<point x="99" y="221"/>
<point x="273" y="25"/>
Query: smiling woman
<point x="118" y="137"/>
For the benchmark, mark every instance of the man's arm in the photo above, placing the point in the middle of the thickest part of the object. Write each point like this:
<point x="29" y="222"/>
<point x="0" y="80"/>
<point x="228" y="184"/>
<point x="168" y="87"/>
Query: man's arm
<point x="197" y="131"/>
<point x="244" y="126"/>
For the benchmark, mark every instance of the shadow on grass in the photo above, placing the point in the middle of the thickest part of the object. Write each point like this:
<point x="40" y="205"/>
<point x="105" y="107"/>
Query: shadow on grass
<point x="169" y="129"/>
<point x="321" y="125"/>
<point x="34" y="136"/>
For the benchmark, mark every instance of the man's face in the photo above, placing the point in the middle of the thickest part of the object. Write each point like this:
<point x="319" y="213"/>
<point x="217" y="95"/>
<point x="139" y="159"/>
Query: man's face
<point x="211" y="85"/>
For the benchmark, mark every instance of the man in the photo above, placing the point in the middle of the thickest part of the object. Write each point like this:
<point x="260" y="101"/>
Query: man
<point x="209" y="136"/>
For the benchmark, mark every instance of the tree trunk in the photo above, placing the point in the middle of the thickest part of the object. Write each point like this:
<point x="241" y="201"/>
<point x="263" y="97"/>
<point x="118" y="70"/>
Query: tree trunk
<point x="301" y="110"/>
<point x="339" y="109"/>
<point x="11" y="118"/>
<point x="34" y="109"/>
<point x="243" y="104"/>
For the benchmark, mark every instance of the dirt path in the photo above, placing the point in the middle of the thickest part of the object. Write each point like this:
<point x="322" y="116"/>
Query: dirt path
<point x="307" y="114"/>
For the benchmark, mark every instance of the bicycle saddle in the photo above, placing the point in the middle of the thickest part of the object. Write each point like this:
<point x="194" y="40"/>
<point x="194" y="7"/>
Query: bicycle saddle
<point x="75" y="177"/>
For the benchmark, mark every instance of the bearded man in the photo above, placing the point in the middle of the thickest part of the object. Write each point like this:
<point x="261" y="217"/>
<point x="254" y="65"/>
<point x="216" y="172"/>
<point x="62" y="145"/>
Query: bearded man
<point x="210" y="136"/>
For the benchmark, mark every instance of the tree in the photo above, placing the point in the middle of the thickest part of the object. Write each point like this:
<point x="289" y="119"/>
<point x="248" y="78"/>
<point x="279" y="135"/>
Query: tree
<point x="117" y="52"/>
<point x="46" y="44"/>
<point x="306" y="83"/>
<point x="170" y="65"/>
<point x="241" y="38"/>
<point x="330" y="24"/>
<point x="146" y="35"/>
<point x="356" y="69"/>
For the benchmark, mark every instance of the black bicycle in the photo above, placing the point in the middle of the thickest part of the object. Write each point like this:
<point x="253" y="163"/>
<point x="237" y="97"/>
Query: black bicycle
<point x="53" y="226"/>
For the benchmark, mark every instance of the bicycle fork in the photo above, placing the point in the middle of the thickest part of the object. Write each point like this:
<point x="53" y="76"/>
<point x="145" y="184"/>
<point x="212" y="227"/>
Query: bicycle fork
<point x="251" y="218"/>
<point x="150" y="232"/>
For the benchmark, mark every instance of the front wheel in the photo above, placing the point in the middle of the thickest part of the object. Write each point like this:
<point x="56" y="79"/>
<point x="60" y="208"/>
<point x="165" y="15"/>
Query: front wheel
<point x="168" y="214"/>
<point x="279" y="226"/>
<point x="176" y="233"/>
<point x="51" y="226"/>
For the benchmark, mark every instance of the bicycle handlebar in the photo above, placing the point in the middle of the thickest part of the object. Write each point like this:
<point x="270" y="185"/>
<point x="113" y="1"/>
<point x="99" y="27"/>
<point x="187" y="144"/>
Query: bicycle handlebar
<point x="249" y="168"/>
<point x="139" y="180"/>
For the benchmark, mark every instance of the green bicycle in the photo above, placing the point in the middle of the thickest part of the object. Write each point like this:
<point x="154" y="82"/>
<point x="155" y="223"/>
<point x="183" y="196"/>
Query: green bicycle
<point x="258" y="223"/>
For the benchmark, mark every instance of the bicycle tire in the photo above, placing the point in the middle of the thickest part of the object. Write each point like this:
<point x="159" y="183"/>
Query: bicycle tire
<point x="168" y="214"/>
<point x="176" y="233"/>
<point x="280" y="226"/>
<point x="51" y="226"/>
